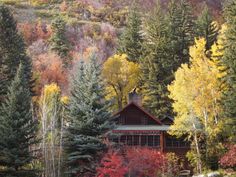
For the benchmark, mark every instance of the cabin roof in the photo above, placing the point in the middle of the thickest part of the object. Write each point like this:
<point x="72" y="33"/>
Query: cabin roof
<point x="143" y="127"/>
<point x="141" y="109"/>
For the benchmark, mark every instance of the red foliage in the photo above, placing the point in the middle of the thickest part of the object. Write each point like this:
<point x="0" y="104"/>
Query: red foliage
<point x="112" y="165"/>
<point x="138" y="162"/>
<point x="229" y="159"/>
<point x="145" y="161"/>
<point x="33" y="32"/>
<point x="50" y="69"/>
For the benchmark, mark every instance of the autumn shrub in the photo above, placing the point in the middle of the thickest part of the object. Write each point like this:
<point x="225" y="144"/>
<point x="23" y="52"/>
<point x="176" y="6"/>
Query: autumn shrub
<point x="112" y="165"/>
<point x="49" y="68"/>
<point x="145" y="162"/>
<point x="228" y="160"/>
<point x="34" y="32"/>
<point x="138" y="162"/>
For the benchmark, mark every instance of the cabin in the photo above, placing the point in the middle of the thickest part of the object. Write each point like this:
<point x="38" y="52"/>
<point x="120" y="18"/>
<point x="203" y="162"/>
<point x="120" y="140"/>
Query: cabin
<point x="137" y="127"/>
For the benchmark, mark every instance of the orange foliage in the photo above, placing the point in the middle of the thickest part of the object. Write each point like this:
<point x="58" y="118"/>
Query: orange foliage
<point x="33" y="32"/>
<point x="49" y="68"/>
<point x="63" y="6"/>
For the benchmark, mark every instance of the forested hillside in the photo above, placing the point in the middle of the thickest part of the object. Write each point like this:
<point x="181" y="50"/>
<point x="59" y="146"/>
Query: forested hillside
<point x="66" y="66"/>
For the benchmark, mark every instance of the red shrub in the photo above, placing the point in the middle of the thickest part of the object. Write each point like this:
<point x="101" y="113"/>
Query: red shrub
<point x="145" y="162"/>
<point x="229" y="159"/>
<point x="112" y="165"/>
<point x="139" y="162"/>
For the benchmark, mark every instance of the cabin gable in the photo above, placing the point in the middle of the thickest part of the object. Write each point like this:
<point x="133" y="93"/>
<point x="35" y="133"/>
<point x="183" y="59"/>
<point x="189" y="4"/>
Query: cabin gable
<point x="135" y="115"/>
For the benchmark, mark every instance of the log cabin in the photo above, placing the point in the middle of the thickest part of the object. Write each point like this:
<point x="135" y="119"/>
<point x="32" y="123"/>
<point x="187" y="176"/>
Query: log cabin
<point x="137" y="127"/>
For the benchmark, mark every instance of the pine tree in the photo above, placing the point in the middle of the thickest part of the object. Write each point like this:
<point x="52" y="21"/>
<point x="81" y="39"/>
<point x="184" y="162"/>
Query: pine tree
<point x="156" y="65"/>
<point x="88" y="119"/>
<point x="229" y="60"/>
<point x="58" y="41"/>
<point x="131" y="40"/>
<point x="17" y="129"/>
<point x="166" y="47"/>
<point x="207" y="28"/>
<point x="12" y="51"/>
<point x="181" y="32"/>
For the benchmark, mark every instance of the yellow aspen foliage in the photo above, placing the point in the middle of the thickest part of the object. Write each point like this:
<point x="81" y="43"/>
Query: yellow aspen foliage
<point x="65" y="100"/>
<point x="50" y="91"/>
<point x="196" y="92"/>
<point x="121" y="77"/>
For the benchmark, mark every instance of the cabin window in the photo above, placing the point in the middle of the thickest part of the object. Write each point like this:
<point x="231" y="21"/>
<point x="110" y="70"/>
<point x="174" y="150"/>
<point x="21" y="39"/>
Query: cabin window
<point x="150" y="140"/>
<point x="123" y="139"/>
<point x="135" y="140"/>
<point x="143" y="140"/>
<point x="157" y="140"/>
<point x="129" y="140"/>
<point x="172" y="142"/>
<point x="140" y="140"/>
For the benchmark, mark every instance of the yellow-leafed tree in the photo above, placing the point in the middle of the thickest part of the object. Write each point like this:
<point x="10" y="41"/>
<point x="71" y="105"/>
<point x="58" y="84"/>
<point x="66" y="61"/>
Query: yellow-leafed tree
<point x="121" y="77"/>
<point x="196" y="92"/>
<point x="52" y="120"/>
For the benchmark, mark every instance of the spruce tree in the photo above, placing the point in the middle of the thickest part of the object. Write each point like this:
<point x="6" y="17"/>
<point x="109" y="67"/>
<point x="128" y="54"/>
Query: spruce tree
<point x="180" y="30"/>
<point x="156" y="64"/>
<point x="167" y="40"/>
<point x="88" y="117"/>
<point x="207" y="28"/>
<point x="58" y="41"/>
<point x="17" y="129"/>
<point x="12" y="50"/>
<point x="229" y="60"/>
<point x="131" y="40"/>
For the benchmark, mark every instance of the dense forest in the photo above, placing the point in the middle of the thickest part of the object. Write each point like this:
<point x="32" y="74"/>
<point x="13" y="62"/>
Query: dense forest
<point x="66" y="66"/>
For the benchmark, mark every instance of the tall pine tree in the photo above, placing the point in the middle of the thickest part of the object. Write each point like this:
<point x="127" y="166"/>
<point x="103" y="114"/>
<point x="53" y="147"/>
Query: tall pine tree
<point x="131" y="40"/>
<point x="207" y="28"/>
<point x="180" y="27"/>
<point x="12" y="51"/>
<point x="17" y="129"/>
<point x="166" y="47"/>
<point x="229" y="60"/>
<point x="58" y="41"/>
<point x="156" y="64"/>
<point x="88" y="117"/>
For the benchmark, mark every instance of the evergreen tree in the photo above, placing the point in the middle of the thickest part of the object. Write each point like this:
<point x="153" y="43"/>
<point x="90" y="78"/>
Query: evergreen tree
<point x="17" y="129"/>
<point x="156" y="65"/>
<point x="131" y="40"/>
<point x="58" y="41"/>
<point x="229" y="60"/>
<point x="207" y="28"/>
<point x="12" y="51"/>
<point x="166" y="47"/>
<point x="88" y="117"/>
<point x="181" y="32"/>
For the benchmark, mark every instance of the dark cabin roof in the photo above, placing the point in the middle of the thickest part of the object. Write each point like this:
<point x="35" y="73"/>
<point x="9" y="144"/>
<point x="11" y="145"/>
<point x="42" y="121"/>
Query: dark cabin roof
<point x="167" y="120"/>
<point x="150" y="116"/>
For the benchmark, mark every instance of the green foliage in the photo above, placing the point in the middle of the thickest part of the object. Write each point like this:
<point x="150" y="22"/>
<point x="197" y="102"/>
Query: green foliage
<point x="88" y="118"/>
<point x="207" y="28"/>
<point x="17" y="129"/>
<point x="58" y="41"/>
<point x="130" y="41"/>
<point x="12" y="50"/>
<point x="180" y="32"/>
<point x="166" y="47"/>
<point x="156" y="64"/>
<point x="229" y="61"/>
